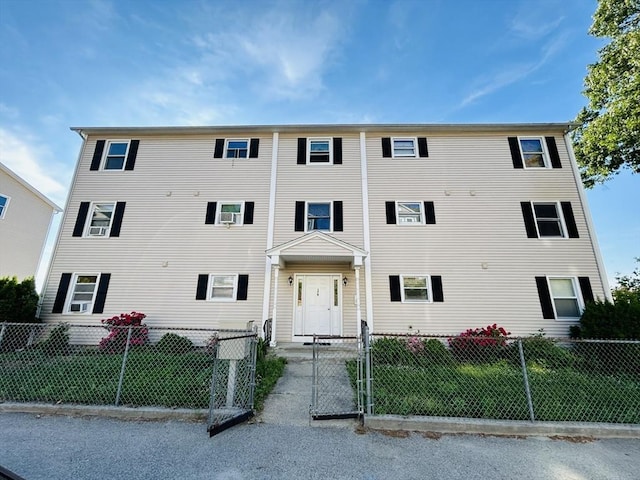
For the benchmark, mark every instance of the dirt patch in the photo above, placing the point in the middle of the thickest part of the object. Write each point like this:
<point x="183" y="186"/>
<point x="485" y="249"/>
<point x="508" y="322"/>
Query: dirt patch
<point x="432" y="435"/>
<point x="395" y="433"/>
<point x="577" y="439"/>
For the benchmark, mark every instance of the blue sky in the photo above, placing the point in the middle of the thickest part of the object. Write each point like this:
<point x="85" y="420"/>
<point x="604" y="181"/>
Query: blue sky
<point x="194" y="62"/>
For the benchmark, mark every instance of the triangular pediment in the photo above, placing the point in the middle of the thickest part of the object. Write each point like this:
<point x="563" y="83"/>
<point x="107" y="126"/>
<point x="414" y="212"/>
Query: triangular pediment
<point x="317" y="247"/>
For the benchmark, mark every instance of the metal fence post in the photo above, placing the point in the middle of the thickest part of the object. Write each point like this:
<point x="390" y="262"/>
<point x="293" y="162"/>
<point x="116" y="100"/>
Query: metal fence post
<point x="254" y="361"/>
<point x="367" y="360"/>
<point x="525" y="378"/>
<point x="124" y="364"/>
<point x="2" y="330"/>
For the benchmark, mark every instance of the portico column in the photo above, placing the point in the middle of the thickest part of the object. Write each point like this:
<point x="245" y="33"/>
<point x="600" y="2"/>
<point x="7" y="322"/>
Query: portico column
<point x="276" y="268"/>
<point x="358" y="311"/>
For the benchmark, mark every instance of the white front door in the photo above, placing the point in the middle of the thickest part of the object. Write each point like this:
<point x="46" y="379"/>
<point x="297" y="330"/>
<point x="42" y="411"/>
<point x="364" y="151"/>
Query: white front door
<point x="318" y="308"/>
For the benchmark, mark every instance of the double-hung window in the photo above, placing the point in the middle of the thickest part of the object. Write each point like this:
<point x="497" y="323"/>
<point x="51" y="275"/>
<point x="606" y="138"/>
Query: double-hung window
<point x="415" y="288"/>
<point x="223" y="288"/>
<point x="410" y="213"/>
<point x="236" y="148"/>
<point x="99" y="222"/>
<point x="319" y="150"/>
<point x="4" y="204"/>
<point x="566" y="300"/>
<point x="229" y="213"/>
<point x="548" y="220"/>
<point x="83" y="292"/>
<point x="318" y="216"/>
<point x="404" y="147"/>
<point x="533" y="152"/>
<point x="115" y="155"/>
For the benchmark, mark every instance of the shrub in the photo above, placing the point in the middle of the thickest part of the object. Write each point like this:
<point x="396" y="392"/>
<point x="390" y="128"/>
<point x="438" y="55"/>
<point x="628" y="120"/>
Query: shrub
<point x="619" y="321"/>
<point x="116" y="341"/>
<point x="544" y="352"/>
<point x="411" y="351"/>
<point x="391" y="351"/>
<point x="18" y="301"/>
<point x="479" y="345"/>
<point x="57" y="343"/>
<point x="174" y="344"/>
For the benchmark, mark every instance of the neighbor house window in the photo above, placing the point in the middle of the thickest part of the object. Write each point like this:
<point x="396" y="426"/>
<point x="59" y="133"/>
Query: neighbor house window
<point x="83" y="290"/>
<point x="415" y="288"/>
<point x="548" y="220"/>
<point x="116" y="154"/>
<point x="100" y="219"/>
<point x="564" y="294"/>
<point x="229" y="213"/>
<point x="4" y="204"/>
<point x="237" y="148"/>
<point x="404" y="147"/>
<point x="319" y="150"/>
<point x="223" y="287"/>
<point x="533" y="152"/>
<point x="318" y="216"/>
<point x="410" y="213"/>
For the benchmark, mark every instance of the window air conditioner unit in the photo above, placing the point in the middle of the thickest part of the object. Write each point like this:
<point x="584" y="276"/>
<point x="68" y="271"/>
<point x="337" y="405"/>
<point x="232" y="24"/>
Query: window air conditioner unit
<point x="79" y="307"/>
<point x="227" y="218"/>
<point x="97" y="231"/>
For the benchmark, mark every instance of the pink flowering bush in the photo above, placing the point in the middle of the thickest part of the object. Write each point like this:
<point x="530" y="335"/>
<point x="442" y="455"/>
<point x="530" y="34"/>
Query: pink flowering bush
<point x="118" y="329"/>
<point x="480" y="344"/>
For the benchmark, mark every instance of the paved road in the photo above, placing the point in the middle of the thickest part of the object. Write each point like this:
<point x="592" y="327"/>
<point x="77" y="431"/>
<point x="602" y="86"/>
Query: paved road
<point x="56" y="447"/>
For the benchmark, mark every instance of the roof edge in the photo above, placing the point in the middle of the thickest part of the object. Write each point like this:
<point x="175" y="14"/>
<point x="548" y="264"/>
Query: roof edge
<point x="29" y="187"/>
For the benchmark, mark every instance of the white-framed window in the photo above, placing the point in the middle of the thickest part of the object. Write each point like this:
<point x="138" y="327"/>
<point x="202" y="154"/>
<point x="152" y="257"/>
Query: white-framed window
<point x="319" y="150"/>
<point x="565" y="296"/>
<point x="415" y="288"/>
<point x="318" y="215"/>
<point x="236" y="148"/>
<point x="549" y="220"/>
<point x="230" y="213"/>
<point x="83" y="293"/>
<point x="99" y="219"/>
<point x="404" y="147"/>
<point x="534" y="153"/>
<point x="410" y="213"/>
<point x="115" y="155"/>
<point x="4" y="204"/>
<point x="223" y="288"/>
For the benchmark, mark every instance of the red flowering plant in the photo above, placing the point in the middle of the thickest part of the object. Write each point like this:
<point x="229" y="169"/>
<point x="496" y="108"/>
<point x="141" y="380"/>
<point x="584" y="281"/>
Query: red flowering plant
<point x="118" y="327"/>
<point x="480" y="344"/>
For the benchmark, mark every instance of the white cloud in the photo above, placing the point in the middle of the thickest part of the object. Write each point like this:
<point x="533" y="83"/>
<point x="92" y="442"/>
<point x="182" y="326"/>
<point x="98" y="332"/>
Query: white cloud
<point x="533" y="24"/>
<point x="26" y="160"/>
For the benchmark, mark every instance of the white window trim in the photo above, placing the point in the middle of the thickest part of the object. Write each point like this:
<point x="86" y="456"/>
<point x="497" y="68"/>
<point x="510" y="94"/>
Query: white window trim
<point x="219" y="206"/>
<point x="226" y="148"/>
<point x="87" y="225"/>
<point x="320" y="139"/>
<point x="576" y="289"/>
<point x="545" y="153"/>
<point x="563" y="226"/>
<point x="306" y="216"/>
<point x="415" y="147"/>
<point x="422" y="214"/>
<point x="234" y="295"/>
<point x="105" y="154"/>
<point x="6" y="204"/>
<point x="71" y="290"/>
<point x="429" y="292"/>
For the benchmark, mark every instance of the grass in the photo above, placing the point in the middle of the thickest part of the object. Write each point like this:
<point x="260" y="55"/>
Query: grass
<point x="151" y="378"/>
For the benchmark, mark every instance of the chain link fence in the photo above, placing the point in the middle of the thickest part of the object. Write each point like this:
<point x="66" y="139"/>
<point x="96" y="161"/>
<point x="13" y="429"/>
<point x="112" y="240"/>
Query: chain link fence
<point x="127" y="366"/>
<point x="534" y="378"/>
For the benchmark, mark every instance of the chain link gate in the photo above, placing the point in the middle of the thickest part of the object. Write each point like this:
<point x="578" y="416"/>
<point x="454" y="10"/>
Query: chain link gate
<point x="232" y="382"/>
<point x="339" y="376"/>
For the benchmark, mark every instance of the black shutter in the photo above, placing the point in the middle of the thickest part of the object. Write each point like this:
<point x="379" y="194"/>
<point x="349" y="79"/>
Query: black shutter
<point x="436" y="288"/>
<point x="514" y="146"/>
<point x="386" y="147"/>
<point x="81" y="219"/>
<point x="429" y="213"/>
<point x="243" y="286"/>
<point x="117" y="219"/>
<point x="253" y="147"/>
<point x="201" y="289"/>
<point x="97" y="155"/>
<point x="585" y="287"/>
<point x="248" y="213"/>
<point x="391" y="212"/>
<point x="131" y="156"/>
<point x="553" y="152"/>
<point x="101" y="294"/>
<point x="569" y="220"/>
<point x="299" y="221"/>
<point x="529" y="220"/>
<point x="302" y="151"/>
<point x="545" y="297"/>
<point x="61" y="295"/>
<point x="219" y="148"/>
<point x="337" y="216"/>
<point x="337" y="151"/>
<point x="423" y="151"/>
<point x="394" y="288"/>
<point x="210" y="217"/>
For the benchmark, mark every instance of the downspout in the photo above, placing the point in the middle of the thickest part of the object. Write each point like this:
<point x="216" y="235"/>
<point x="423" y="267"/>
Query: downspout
<point x="587" y="215"/>
<point x="270" y="227"/>
<point x="366" y="232"/>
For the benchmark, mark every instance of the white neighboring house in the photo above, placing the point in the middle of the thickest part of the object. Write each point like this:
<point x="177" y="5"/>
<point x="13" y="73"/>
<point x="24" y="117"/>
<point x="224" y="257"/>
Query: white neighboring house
<point x="25" y="219"/>
<point x="429" y="228"/>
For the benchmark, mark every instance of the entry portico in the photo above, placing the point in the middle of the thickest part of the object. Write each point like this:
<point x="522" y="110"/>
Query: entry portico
<point x="311" y="285"/>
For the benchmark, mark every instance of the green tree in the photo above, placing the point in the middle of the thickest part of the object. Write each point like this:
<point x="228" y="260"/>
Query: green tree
<point x="608" y="137"/>
<point x="628" y="288"/>
<point x="18" y="300"/>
